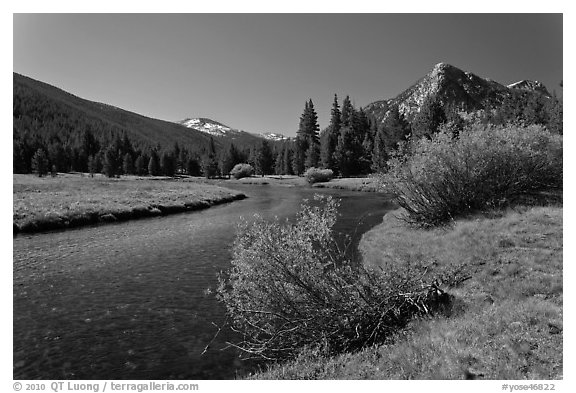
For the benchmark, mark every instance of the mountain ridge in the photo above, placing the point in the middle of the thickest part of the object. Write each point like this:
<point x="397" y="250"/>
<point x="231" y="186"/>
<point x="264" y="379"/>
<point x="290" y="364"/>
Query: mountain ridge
<point x="452" y="86"/>
<point x="218" y="129"/>
<point x="42" y="103"/>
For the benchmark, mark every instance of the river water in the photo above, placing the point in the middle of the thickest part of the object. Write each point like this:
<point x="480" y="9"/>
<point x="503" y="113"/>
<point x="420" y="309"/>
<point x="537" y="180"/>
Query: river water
<point x="131" y="300"/>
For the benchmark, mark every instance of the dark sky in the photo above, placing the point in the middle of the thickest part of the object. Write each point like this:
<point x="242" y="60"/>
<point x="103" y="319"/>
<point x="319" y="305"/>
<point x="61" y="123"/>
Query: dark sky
<point x="255" y="71"/>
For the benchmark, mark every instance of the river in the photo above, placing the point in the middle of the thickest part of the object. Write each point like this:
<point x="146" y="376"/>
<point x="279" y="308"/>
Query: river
<point x="131" y="300"/>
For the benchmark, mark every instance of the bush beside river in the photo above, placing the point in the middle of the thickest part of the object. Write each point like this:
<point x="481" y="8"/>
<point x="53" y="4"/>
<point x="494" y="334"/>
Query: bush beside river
<point x="482" y="218"/>
<point x="505" y="321"/>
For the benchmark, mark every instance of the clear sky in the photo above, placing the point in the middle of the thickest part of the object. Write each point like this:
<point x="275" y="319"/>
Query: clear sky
<point x="255" y="71"/>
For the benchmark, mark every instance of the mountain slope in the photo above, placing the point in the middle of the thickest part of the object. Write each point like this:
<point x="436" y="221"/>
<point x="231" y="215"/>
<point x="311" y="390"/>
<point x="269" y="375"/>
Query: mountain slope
<point x="452" y="87"/>
<point x="48" y="112"/>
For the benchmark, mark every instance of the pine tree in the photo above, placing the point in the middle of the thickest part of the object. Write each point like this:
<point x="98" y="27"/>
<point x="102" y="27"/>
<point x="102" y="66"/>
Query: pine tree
<point x="111" y="167"/>
<point x="348" y="154"/>
<point x="393" y="130"/>
<point x="40" y="163"/>
<point x="57" y="156"/>
<point x="397" y="126"/>
<point x="126" y="145"/>
<point x="128" y="164"/>
<point x="193" y="166"/>
<point x="141" y="167"/>
<point x="89" y="147"/>
<point x="167" y="165"/>
<point x="210" y="162"/>
<point x="287" y="160"/>
<point x="429" y="119"/>
<point x="312" y="156"/>
<point x="279" y="162"/>
<point x="299" y="156"/>
<point x="251" y="160"/>
<point x="153" y="164"/>
<point x="344" y="154"/>
<point x="380" y="154"/>
<point x="367" y="149"/>
<point x="330" y="137"/>
<point x="346" y="113"/>
<point x="229" y="158"/>
<point x="311" y="125"/>
<point x="92" y="168"/>
<point x="19" y="162"/>
<point x="361" y="127"/>
<point x="264" y="159"/>
<point x="176" y="155"/>
<point x="302" y="142"/>
<point x="307" y="136"/>
<point x="99" y="161"/>
<point x="302" y="133"/>
<point x="361" y="124"/>
<point x="182" y="160"/>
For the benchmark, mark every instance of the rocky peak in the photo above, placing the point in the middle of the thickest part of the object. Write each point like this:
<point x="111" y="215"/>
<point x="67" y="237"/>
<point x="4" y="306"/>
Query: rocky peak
<point x="451" y="86"/>
<point x="441" y="69"/>
<point x="531" y="86"/>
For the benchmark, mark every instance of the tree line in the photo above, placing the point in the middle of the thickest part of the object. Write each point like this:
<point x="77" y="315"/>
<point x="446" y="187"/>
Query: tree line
<point x="354" y="142"/>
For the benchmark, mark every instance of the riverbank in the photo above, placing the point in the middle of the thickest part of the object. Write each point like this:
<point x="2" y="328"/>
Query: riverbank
<point x="363" y="184"/>
<point x="74" y="200"/>
<point x="506" y="315"/>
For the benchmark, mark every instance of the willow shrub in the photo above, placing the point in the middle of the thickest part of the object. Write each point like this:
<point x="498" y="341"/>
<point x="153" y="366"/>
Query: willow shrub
<point x="316" y="175"/>
<point x="291" y="287"/>
<point x="483" y="167"/>
<point x="242" y="170"/>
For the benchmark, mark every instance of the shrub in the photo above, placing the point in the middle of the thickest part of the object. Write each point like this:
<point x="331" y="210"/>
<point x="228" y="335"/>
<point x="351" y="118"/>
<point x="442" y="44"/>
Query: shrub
<point x="290" y="287"/>
<point x="242" y="170"/>
<point x="315" y="175"/>
<point x="484" y="166"/>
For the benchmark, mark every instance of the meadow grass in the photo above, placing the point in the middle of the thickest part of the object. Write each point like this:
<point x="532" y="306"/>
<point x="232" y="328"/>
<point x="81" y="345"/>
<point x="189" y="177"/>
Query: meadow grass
<point x="42" y="203"/>
<point x="366" y="184"/>
<point x="505" y="321"/>
<point x="277" y="180"/>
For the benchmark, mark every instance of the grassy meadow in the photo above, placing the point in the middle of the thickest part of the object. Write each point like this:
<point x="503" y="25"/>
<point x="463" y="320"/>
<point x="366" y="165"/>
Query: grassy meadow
<point x="71" y="200"/>
<point x="505" y="321"/>
<point x="366" y="184"/>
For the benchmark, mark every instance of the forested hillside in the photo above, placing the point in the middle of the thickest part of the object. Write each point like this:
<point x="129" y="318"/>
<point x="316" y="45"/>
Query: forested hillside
<point x="55" y="130"/>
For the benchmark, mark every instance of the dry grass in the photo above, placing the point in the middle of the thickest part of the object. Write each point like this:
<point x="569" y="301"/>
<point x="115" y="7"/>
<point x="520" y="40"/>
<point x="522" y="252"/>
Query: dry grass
<point x="505" y="322"/>
<point x="74" y="200"/>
